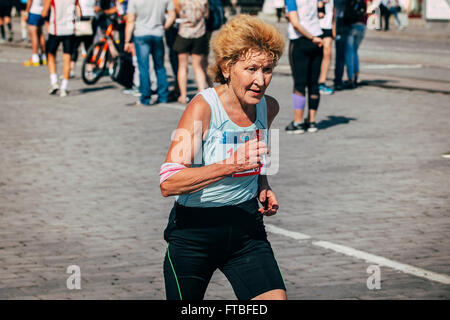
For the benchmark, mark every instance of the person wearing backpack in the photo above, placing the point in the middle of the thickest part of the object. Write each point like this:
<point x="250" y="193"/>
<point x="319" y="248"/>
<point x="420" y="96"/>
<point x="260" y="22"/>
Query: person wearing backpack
<point x="354" y="39"/>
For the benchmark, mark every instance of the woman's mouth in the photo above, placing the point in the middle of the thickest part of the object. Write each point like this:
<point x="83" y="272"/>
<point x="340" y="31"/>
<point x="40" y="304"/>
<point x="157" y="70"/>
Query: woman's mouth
<point x="255" y="92"/>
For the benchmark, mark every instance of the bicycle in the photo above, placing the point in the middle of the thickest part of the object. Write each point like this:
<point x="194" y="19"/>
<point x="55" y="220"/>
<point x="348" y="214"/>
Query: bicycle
<point x="102" y="57"/>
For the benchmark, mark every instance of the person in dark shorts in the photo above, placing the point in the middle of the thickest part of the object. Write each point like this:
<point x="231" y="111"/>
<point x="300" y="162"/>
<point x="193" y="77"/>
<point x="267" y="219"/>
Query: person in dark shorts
<point x="61" y="30"/>
<point x="191" y="41"/>
<point x="5" y="20"/>
<point x="216" y="222"/>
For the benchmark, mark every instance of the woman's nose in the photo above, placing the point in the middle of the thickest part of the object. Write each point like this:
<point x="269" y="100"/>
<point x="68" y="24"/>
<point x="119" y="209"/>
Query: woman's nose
<point x="259" y="78"/>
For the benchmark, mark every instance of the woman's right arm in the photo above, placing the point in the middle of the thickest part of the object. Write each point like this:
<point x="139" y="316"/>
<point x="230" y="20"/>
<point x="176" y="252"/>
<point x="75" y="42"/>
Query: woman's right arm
<point x="187" y="142"/>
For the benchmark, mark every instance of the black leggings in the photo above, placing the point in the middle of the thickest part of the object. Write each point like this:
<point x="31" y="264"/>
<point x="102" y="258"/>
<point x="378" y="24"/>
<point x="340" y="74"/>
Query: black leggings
<point x="306" y="59"/>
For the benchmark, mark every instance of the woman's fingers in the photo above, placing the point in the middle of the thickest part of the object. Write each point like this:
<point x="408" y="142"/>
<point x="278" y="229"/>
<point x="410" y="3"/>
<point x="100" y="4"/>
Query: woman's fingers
<point x="263" y="196"/>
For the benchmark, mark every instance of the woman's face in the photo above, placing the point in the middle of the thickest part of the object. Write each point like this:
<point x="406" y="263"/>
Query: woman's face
<point x="250" y="76"/>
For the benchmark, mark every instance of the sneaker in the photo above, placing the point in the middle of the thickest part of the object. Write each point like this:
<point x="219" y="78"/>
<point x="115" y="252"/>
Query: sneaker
<point x="72" y="74"/>
<point x="325" y="90"/>
<point x="53" y="89"/>
<point x="291" y="128"/>
<point x="349" y="84"/>
<point x="173" y="96"/>
<point x="312" y="127"/>
<point x="30" y="63"/>
<point x="43" y="62"/>
<point x="63" y="93"/>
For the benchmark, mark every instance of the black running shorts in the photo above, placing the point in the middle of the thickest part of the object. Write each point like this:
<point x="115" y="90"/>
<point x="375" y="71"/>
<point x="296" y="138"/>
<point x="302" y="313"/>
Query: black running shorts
<point x="195" y="45"/>
<point x="5" y="10"/>
<point x="231" y="239"/>
<point x="54" y="41"/>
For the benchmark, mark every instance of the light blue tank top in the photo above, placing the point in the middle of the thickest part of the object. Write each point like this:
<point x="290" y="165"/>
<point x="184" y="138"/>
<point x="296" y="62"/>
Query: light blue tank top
<point x="223" y="139"/>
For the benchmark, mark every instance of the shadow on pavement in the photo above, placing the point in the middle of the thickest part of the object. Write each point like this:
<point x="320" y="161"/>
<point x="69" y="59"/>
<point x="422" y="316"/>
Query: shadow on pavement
<point x="377" y="82"/>
<point x="94" y="89"/>
<point x="334" y="121"/>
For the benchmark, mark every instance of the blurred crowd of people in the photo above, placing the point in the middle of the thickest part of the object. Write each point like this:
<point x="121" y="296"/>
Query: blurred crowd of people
<point x="146" y="28"/>
<point x="141" y="25"/>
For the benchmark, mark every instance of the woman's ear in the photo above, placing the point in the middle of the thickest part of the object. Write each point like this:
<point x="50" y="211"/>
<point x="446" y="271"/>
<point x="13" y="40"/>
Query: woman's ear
<point x="225" y="69"/>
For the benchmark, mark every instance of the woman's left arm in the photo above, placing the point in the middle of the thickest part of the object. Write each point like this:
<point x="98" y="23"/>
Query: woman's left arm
<point x="265" y="194"/>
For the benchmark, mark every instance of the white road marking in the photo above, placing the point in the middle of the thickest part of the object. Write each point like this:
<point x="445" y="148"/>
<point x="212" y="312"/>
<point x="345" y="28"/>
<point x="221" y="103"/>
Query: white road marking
<point x="368" y="257"/>
<point x="290" y="234"/>
<point x="391" y="66"/>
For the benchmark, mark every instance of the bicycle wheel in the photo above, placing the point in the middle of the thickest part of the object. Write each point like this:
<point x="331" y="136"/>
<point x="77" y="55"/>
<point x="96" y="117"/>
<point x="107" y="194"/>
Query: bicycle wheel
<point x="94" y="65"/>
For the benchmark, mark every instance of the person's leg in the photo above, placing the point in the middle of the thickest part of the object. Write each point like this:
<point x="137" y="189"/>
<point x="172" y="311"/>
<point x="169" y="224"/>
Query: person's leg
<point x="361" y="31"/>
<point x="23" y="25"/>
<point x="2" y="27"/>
<point x="326" y="61"/>
<point x="160" y="71"/>
<point x="313" y="88"/>
<point x="386" y="20"/>
<point x="74" y="55"/>
<point x="381" y="16"/>
<point x="143" y="55"/>
<point x="186" y="273"/>
<point x="52" y="47"/>
<point x="251" y="268"/>
<point x="68" y="44"/>
<point x="350" y="54"/>
<point x="34" y="37"/>
<point x="171" y="35"/>
<point x="183" y="59"/>
<point x="8" y="24"/>
<point x="42" y="44"/>
<point x="51" y="64"/>
<point x="341" y="46"/>
<point x="200" y="77"/>
<point x="66" y="70"/>
<point x="300" y="67"/>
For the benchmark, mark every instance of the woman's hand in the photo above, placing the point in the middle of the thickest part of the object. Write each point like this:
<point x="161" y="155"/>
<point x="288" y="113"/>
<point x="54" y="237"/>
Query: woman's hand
<point x="248" y="156"/>
<point x="268" y="200"/>
<point x="318" y="41"/>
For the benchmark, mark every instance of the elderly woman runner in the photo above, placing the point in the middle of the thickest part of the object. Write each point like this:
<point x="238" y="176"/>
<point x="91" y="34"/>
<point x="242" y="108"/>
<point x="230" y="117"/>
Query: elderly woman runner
<point x="216" y="221"/>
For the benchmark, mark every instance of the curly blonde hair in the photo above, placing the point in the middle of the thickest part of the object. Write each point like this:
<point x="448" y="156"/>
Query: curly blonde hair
<point x="242" y="35"/>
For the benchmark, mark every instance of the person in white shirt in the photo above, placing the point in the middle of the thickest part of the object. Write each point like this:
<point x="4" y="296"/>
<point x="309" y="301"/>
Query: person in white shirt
<point x="61" y="29"/>
<point x="88" y="13"/>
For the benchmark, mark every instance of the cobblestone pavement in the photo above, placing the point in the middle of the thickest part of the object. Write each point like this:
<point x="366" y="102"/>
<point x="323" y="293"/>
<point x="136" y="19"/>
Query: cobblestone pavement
<point x="79" y="186"/>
